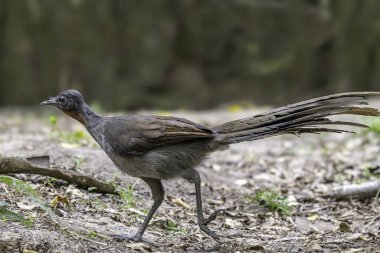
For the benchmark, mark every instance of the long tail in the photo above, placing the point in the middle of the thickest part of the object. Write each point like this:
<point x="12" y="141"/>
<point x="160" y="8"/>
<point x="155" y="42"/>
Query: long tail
<point x="310" y="116"/>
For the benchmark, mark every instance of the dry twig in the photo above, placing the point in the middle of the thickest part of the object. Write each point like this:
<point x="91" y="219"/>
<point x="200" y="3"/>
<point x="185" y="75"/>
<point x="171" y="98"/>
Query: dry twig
<point x="40" y="166"/>
<point x="358" y="191"/>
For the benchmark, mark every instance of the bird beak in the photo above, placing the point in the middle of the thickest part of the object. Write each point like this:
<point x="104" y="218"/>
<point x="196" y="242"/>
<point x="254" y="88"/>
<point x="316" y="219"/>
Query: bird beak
<point x="50" y="101"/>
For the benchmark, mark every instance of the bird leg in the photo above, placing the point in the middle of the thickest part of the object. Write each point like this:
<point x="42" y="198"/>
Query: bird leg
<point x="201" y="220"/>
<point x="158" y="193"/>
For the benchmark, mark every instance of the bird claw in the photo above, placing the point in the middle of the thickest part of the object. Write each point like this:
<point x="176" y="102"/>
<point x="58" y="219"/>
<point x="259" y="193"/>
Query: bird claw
<point x="211" y="217"/>
<point x="204" y="228"/>
<point x="208" y="231"/>
<point x="214" y="214"/>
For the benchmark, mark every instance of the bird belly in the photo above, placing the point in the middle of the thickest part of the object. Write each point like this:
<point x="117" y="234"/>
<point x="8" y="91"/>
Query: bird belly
<point x="162" y="163"/>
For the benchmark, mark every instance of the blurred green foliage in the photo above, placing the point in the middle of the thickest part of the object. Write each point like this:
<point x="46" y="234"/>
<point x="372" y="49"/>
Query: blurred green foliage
<point x="128" y="54"/>
<point x="32" y="194"/>
<point x="127" y="196"/>
<point x="6" y="214"/>
<point x="274" y="201"/>
<point x="78" y="137"/>
<point x="53" y="120"/>
<point x="374" y="125"/>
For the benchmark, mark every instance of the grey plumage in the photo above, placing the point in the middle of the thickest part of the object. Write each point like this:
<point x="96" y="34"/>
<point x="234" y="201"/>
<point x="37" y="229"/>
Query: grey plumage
<point x="156" y="147"/>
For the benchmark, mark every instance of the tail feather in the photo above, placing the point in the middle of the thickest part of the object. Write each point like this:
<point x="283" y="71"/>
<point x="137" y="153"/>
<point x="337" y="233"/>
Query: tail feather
<point x="315" y="130"/>
<point x="298" y="118"/>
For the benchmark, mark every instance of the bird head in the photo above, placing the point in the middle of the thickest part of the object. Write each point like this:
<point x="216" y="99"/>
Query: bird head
<point x="70" y="102"/>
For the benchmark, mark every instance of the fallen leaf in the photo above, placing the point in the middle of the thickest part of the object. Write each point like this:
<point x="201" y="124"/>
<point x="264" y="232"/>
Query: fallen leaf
<point x="179" y="202"/>
<point x="354" y="250"/>
<point x="230" y="223"/>
<point x="24" y="206"/>
<point x="315" y="247"/>
<point x="359" y="236"/>
<point x="215" y="202"/>
<point x="139" y="246"/>
<point x="365" y="238"/>
<point x="28" y="251"/>
<point x="292" y="201"/>
<point x="59" y="199"/>
<point x="344" y="227"/>
<point x="136" y="211"/>
<point x="313" y="217"/>
<point x="256" y="248"/>
<point x="111" y="210"/>
<point x="241" y="182"/>
<point x="348" y="214"/>
<point x="75" y="192"/>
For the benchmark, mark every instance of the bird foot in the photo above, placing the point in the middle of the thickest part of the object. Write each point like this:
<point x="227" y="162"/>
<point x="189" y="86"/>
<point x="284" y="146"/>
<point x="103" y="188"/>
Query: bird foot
<point x="214" y="214"/>
<point x="211" y="217"/>
<point x="209" y="232"/>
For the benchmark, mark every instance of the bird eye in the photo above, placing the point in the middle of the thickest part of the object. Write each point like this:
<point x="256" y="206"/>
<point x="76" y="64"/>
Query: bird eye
<point x="61" y="99"/>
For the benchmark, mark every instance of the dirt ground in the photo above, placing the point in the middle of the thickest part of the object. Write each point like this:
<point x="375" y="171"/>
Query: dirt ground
<point x="303" y="169"/>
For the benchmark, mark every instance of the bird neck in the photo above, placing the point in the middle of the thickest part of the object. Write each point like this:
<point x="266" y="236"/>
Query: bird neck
<point x="88" y="115"/>
<point x="85" y="115"/>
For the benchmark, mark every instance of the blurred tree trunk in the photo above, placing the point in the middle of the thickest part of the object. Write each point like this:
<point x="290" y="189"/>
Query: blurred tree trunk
<point x="130" y="54"/>
<point x="3" y="78"/>
<point x="356" y="37"/>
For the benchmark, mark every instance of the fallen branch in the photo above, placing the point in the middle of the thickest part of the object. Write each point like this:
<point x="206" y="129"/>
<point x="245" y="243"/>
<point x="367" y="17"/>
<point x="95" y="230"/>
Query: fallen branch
<point x="40" y="166"/>
<point x="357" y="191"/>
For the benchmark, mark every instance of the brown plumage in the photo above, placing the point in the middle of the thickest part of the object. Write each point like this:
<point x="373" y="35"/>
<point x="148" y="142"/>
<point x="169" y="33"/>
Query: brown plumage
<point x="154" y="148"/>
<point x="298" y="118"/>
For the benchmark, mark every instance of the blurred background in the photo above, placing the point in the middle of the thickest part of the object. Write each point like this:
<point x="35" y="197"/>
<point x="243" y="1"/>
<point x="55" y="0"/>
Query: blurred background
<point x="187" y="54"/>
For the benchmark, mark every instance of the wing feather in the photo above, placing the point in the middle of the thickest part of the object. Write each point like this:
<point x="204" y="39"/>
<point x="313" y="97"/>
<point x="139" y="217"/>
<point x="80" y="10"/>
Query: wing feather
<point x="135" y="135"/>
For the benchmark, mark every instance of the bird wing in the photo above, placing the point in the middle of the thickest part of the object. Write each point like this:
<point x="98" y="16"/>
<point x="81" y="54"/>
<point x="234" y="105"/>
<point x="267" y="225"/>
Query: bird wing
<point x="135" y="135"/>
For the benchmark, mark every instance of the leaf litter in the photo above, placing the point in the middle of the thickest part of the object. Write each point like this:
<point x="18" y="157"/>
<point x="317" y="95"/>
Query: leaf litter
<point x="302" y="170"/>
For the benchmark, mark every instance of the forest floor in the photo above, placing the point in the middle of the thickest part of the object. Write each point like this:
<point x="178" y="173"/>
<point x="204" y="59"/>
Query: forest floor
<point x="302" y="169"/>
